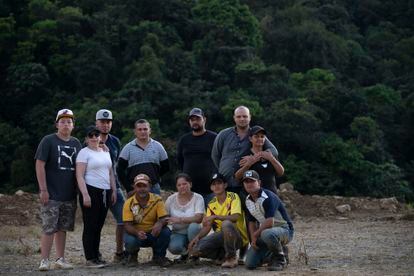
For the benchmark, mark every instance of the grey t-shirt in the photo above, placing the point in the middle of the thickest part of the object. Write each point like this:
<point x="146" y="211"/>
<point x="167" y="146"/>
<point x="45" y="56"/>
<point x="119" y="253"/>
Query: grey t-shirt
<point x="60" y="158"/>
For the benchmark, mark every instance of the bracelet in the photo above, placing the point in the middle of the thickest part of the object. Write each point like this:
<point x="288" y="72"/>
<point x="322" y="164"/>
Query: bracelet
<point x="43" y="190"/>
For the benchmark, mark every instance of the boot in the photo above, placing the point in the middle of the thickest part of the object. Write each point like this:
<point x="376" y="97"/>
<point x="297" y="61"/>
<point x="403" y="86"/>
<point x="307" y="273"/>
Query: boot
<point x="277" y="263"/>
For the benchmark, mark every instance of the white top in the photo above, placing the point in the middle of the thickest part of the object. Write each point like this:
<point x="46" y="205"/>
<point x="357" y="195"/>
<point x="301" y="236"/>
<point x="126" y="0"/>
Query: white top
<point x="98" y="166"/>
<point x="175" y="209"/>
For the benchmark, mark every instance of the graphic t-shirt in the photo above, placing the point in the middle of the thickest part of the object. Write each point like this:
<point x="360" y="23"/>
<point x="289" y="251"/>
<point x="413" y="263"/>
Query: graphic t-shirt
<point x="60" y="159"/>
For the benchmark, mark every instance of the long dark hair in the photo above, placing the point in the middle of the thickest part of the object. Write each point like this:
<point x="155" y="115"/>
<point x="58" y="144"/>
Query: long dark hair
<point x="185" y="176"/>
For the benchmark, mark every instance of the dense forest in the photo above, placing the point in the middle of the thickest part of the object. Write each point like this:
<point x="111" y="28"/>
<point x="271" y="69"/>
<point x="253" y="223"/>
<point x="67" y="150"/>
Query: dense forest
<point x="331" y="80"/>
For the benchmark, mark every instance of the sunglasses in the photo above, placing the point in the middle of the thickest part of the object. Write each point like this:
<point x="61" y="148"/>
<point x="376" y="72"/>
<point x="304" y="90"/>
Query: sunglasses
<point x="95" y="134"/>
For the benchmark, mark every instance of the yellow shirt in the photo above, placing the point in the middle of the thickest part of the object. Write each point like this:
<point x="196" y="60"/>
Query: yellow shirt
<point x="231" y="206"/>
<point x="144" y="218"/>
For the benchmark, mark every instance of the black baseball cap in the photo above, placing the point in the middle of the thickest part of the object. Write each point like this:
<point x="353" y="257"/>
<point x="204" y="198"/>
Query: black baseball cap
<point x="196" y="112"/>
<point x="91" y="129"/>
<point x="256" y="129"/>
<point x="250" y="174"/>
<point x="217" y="176"/>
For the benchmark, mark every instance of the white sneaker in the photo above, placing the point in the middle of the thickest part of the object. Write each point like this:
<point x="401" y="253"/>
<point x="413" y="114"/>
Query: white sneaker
<point x="62" y="264"/>
<point x="44" y="265"/>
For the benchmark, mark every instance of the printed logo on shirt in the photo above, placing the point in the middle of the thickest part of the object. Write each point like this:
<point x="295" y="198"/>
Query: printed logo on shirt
<point x="65" y="158"/>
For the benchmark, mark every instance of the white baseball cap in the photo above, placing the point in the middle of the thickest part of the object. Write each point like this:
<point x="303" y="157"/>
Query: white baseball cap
<point x="104" y="114"/>
<point x="64" y="113"/>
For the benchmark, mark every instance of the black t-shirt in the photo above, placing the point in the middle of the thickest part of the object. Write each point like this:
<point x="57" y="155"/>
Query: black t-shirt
<point x="60" y="159"/>
<point x="266" y="172"/>
<point x="194" y="158"/>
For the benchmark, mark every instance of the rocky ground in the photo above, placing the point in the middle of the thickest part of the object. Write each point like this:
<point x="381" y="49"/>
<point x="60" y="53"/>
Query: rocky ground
<point x="334" y="236"/>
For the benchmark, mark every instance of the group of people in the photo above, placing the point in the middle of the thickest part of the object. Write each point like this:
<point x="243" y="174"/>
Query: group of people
<point x="226" y="200"/>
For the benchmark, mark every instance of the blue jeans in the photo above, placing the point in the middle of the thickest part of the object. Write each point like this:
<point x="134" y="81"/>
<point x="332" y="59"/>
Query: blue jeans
<point x="116" y="209"/>
<point x="270" y="241"/>
<point x="179" y="242"/>
<point x="159" y="244"/>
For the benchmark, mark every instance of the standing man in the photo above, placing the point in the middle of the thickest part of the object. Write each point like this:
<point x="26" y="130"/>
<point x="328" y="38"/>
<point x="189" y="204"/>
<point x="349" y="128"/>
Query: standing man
<point x="270" y="227"/>
<point x="142" y="155"/>
<point x="231" y="143"/>
<point x="55" y="171"/>
<point x="194" y="152"/>
<point x="145" y="216"/>
<point x="225" y="217"/>
<point x="104" y="125"/>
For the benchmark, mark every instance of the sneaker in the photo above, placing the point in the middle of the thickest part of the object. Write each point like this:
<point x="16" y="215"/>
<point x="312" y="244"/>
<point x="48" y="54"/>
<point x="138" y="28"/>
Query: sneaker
<point x="161" y="261"/>
<point x="44" y="265"/>
<point x="230" y="262"/>
<point x="94" y="263"/>
<point x="277" y="263"/>
<point x="182" y="259"/>
<point x="61" y="263"/>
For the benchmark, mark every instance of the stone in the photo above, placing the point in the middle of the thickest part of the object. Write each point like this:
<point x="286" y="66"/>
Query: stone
<point x="286" y="187"/>
<point x="390" y="204"/>
<point x="19" y="193"/>
<point x="343" y="208"/>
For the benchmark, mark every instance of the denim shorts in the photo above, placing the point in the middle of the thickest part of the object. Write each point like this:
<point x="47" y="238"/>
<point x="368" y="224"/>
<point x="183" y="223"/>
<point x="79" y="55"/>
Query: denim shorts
<point x="116" y="209"/>
<point x="58" y="216"/>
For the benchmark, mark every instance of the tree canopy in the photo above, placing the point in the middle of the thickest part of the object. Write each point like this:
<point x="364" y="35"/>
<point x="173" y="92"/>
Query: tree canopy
<point x="331" y="81"/>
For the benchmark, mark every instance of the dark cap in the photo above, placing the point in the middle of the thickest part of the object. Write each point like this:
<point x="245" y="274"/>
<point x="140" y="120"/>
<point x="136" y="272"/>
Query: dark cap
<point x="250" y="174"/>
<point x="217" y="176"/>
<point x="256" y="129"/>
<point x="196" y="112"/>
<point x="91" y="129"/>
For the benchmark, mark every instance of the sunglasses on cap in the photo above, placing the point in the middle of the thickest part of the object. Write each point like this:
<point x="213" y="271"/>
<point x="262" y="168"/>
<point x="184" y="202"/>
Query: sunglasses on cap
<point x="93" y="134"/>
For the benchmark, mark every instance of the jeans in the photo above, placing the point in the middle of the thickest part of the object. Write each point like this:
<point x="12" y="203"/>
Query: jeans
<point x="116" y="209"/>
<point x="219" y="245"/>
<point x="159" y="244"/>
<point x="179" y="242"/>
<point x="270" y="241"/>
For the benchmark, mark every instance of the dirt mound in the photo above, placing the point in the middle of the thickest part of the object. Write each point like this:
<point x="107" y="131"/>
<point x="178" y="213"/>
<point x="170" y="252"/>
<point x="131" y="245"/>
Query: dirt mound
<point x="24" y="208"/>
<point x="19" y="209"/>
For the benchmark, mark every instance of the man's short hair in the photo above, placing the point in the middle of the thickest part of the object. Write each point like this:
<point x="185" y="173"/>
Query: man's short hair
<point x="141" y="121"/>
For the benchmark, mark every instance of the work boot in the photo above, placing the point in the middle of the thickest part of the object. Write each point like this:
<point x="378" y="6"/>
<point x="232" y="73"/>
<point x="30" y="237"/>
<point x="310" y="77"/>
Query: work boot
<point x="132" y="259"/>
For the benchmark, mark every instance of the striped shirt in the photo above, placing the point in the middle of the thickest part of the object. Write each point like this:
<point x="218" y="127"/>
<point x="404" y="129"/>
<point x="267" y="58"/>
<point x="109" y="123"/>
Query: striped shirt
<point x="148" y="160"/>
<point x="268" y="205"/>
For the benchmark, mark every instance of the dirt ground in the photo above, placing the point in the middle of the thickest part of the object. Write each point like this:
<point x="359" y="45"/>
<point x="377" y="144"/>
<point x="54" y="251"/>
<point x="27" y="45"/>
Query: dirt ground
<point x="366" y="237"/>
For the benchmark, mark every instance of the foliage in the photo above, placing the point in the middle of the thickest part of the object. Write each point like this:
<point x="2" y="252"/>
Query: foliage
<point x="331" y="81"/>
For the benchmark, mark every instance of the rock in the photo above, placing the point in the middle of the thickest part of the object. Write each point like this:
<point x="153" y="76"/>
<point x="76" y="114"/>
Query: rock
<point x="389" y="204"/>
<point x="343" y="208"/>
<point x="286" y="187"/>
<point x="19" y="193"/>
<point x="1" y="195"/>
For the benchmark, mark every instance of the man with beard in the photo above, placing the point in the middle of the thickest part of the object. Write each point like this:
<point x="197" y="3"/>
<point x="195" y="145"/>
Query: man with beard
<point x="231" y="143"/>
<point x="194" y="152"/>
<point x="104" y="124"/>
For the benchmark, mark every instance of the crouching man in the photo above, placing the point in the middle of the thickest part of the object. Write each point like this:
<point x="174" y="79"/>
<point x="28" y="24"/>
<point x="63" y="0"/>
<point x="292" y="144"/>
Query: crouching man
<point x="144" y="217"/>
<point x="270" y="227"/>
<point x="225" y="217"/>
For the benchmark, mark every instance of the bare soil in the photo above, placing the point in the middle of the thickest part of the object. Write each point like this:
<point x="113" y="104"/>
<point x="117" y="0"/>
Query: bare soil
<point x="374" y="237"/>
